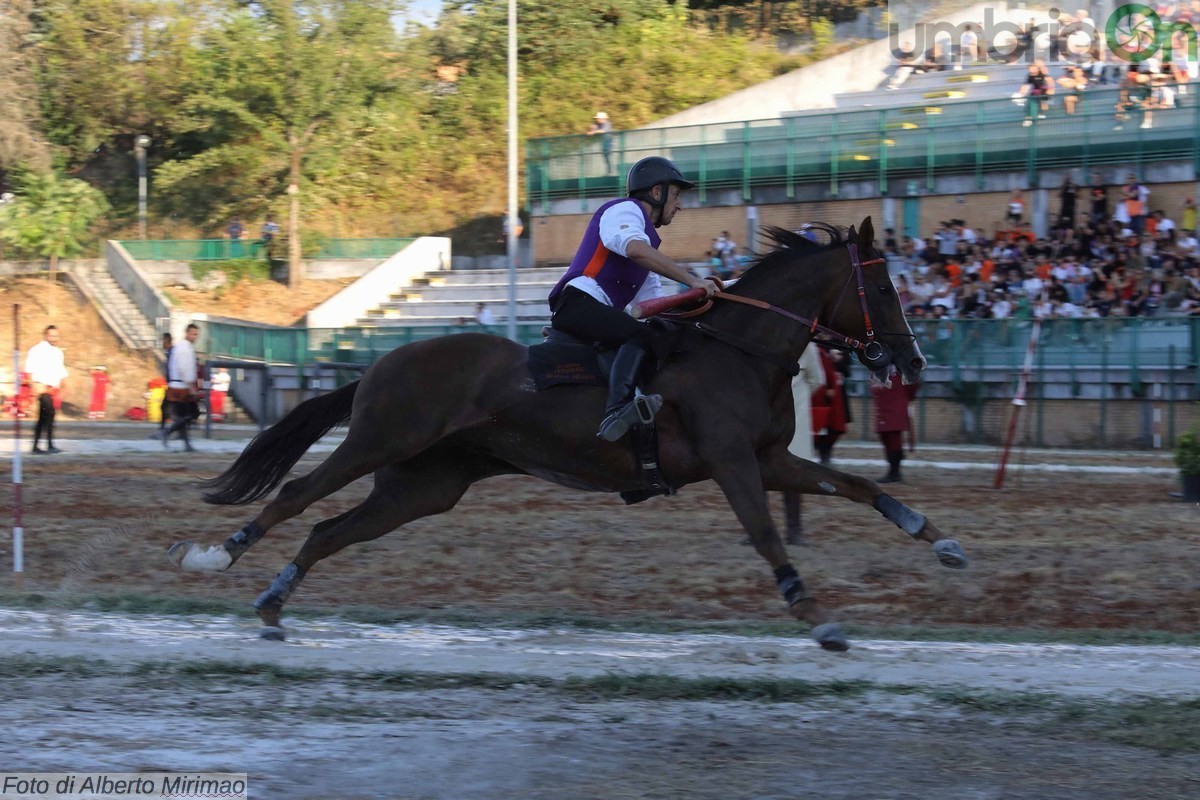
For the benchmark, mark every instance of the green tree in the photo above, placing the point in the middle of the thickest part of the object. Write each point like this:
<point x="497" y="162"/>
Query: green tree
<point x="111" y="68"/>
<point x="21" y="142"/>
<point x="282" y="81"/>
<point x="51" y="216"/>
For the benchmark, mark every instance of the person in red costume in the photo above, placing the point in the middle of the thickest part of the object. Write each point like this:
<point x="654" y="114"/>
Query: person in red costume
<point x="891" y="421"/>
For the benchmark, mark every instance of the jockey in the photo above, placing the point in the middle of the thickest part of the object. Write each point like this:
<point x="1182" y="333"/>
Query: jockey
<point x="618" y="263"/>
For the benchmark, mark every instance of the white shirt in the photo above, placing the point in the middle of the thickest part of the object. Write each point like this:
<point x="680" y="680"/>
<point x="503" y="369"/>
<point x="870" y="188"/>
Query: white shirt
<point x="485" y="316"/>
<point x="621" y="224"/>
<point x="45" y="364"/>
<point x="181" y="365"/>
<point x="221" y="381"/>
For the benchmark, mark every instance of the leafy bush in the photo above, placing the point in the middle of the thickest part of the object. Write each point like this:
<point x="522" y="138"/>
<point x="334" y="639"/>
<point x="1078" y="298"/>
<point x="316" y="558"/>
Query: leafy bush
<point x="1187" y="452"/>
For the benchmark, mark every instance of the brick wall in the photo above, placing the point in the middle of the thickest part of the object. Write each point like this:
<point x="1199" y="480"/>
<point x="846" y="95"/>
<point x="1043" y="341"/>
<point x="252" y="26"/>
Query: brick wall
<point x="1082" y="424"/>
<point x="983" y="210"/>
<point x="690" y="234"/>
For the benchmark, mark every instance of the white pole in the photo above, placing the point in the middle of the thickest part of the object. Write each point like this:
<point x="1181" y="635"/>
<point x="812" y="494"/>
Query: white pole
<point x="513" y="219"/>
<point x="18" y="534"/>
<point x="1018" y="400"/>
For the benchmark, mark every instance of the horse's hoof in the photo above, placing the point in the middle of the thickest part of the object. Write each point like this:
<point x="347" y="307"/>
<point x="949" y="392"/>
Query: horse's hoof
<point x="188" y="556"/>
<point x="950" y="554"/>
<point x="272" y="634"/>
<point x="177" y="551"/>
<point x="830" y="636"/>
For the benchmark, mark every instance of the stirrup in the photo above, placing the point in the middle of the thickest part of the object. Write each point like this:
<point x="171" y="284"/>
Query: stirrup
<point x="640" y="411"/>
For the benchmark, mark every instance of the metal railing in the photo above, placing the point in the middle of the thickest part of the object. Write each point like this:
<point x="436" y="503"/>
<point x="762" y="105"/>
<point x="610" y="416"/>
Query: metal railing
<point x="916" y="142"/>
<point x="1132" y="343"/>
<point x="224" y="249"/>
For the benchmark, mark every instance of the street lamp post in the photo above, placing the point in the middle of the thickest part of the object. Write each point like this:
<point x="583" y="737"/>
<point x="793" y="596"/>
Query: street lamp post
<point x="513" y="226"/>
<point x="139" y="147"/>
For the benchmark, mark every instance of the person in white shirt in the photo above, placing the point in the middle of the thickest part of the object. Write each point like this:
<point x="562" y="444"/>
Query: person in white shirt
<point x="484" y="316"/>
<point x="968" y="47"/>
<point x="1165" y="228"/>
<point x="1001" y="307"/>
<point x="47" y="371"/>
<point x="183" y="387"/>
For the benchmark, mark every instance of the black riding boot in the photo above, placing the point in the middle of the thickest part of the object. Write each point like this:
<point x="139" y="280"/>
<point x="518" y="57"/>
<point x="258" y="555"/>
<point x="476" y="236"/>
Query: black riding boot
<point x="791" y="516"/>
<point x="625" y="407"/>
<point x="894" y="458"/>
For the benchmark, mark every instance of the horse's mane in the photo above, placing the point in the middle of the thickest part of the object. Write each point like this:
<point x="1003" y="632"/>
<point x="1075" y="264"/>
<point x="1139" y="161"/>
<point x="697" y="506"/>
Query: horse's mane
<point x="791" y="246"/>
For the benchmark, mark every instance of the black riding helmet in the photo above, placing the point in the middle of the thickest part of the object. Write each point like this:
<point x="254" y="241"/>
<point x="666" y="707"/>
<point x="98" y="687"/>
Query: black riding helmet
<point x="650" y="172"/>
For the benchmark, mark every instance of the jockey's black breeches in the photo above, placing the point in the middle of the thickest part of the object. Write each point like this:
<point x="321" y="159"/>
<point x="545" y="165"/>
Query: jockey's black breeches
<point x="584" y="317"/>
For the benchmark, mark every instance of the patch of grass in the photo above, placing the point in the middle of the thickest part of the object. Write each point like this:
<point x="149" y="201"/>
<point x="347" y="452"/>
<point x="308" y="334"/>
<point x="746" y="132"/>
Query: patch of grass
<point x="1166" y="726"/>
<point x="27" y="666"/>
<point x="666" y="687"/>
<point x="1163" y="725"/>
<point x="255" y="269"/>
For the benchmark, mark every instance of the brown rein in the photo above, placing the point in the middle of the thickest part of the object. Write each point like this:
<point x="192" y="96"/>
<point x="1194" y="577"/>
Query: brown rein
<point x="812" y="324"/>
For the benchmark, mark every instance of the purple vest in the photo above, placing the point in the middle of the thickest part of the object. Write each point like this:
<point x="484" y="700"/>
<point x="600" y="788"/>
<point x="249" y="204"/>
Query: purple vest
<point x="618" y="276"/>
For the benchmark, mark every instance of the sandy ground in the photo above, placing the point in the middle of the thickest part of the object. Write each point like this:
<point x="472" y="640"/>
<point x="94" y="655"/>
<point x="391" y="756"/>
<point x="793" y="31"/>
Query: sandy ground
<point x="265" y="301"/>
<point x="1100" y="545"/>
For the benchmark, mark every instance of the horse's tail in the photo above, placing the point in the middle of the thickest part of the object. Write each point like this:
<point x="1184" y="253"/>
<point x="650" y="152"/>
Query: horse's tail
<point x="271" y="454"/>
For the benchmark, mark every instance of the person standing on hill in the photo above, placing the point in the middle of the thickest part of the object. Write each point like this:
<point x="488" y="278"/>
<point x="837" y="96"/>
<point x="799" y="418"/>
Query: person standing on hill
<point x="47" y="371"/>
<point x="602" y="127"/>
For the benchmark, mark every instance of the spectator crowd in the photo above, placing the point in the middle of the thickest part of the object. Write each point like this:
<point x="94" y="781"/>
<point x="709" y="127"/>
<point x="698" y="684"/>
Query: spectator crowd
<point x="1112" y="255"/>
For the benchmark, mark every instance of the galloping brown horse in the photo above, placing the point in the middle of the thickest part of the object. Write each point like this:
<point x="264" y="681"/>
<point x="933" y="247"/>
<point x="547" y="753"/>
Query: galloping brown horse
<point x="431" y="418"/>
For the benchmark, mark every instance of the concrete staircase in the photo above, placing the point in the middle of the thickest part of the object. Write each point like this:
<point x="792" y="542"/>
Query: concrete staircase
<point x="982" y="82"/>
<point x="449" y="297"/>
<point x="116" y="308"/>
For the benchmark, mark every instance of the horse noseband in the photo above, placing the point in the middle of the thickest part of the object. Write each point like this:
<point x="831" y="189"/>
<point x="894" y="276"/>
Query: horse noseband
<point x="875" y="355"/>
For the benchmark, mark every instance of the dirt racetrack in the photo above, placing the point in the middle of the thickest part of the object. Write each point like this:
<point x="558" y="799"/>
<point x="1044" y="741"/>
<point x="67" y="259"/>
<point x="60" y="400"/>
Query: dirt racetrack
<point x="1099" y="545"/>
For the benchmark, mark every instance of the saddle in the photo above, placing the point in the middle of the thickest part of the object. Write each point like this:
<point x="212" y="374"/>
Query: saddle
<point x="563" y="360"/>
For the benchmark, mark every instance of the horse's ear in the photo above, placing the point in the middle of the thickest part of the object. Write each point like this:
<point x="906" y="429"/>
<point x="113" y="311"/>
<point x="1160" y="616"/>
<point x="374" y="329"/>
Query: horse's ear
<point x="852" y="235"/>
<point x="866" y="234"/>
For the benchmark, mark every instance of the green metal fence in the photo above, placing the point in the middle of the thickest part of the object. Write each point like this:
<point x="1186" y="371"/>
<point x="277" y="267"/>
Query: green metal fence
<point x="222" y="249"/>
<point x="342" y="345"/>
<point x="917" y="142"/>
<point x="965" y="347"/>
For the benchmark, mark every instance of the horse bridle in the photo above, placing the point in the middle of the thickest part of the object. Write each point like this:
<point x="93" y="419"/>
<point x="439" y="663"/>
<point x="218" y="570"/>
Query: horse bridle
<point x="874" y="354"/>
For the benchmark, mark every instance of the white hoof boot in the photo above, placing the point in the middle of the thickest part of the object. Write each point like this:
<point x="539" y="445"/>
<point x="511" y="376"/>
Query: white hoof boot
<point x="188" y="556"/>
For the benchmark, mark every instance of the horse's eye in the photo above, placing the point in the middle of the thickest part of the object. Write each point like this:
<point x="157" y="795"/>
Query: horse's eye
<point x="885" y="289"/>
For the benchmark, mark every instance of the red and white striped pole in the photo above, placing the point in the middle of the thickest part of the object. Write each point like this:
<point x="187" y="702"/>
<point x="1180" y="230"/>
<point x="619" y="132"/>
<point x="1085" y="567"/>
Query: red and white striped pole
<point x="1019" y="398"/>
<point x="18" y="533"/>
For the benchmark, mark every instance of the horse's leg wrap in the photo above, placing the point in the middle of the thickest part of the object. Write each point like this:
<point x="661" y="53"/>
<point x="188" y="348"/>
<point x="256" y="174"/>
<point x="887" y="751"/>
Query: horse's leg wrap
<point x="243" y="540"/>
<point x="908" y="520"/>
<point x="790" y="585"/>
<point x="270" y="603"/>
